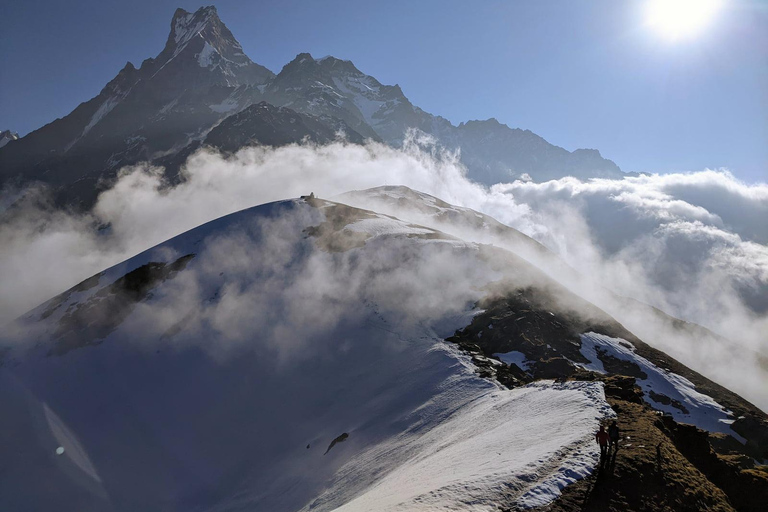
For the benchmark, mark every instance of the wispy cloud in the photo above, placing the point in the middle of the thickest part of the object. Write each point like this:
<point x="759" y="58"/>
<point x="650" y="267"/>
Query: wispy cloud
<point x="692" y="244"/>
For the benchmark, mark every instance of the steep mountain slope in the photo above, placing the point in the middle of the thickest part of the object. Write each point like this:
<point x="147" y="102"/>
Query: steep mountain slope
<point x="264" y="124"/>
<point x="267" y="125"/>
<point x="7" y="136"/>
<point x="680" y="339"/>
<point x="202" y="76"/>
<point x="680" y="430"/>
<point x="493" y="152"/>
<point x="291" y="357"/>
<point x="310" y="86"/>
<point x="287" y="357"/>
<point x="496" y="153"/>
<point x="142" y="113"/>
<point x="465" y="223"/>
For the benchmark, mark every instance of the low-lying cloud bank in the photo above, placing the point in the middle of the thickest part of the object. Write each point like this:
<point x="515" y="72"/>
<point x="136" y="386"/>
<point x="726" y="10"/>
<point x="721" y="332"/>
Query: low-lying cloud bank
<point x="640" y="238"/>
<point x="691" y="244"/>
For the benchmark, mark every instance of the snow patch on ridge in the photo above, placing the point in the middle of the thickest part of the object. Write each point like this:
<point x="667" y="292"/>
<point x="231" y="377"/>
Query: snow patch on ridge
<point x="205" y="58"/>
<point x="517" y="358"/>
<point x="699" y="409"/>
<point x="104" y="109"/>
<point x="228" y="105"/>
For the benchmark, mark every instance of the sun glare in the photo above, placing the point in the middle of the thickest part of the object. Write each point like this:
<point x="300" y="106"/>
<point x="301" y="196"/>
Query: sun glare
<point x="679" y="19"/>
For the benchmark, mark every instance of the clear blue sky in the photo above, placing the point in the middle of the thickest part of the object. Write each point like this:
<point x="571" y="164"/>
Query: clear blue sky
<point x="580" y="73"/>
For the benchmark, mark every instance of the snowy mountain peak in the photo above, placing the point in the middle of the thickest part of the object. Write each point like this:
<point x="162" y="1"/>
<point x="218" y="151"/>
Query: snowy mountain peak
<point x="301" y="61"/>
<point x="7" y="136"/>
<point x="202" y="75"/>
<point x="338" y="65"/>
<point x="126" y="74"/>
<point x="186" y="25"/>
<point x="201" y="37"/>
<point x="330" y="65"/>
<point x="201" y="43"/>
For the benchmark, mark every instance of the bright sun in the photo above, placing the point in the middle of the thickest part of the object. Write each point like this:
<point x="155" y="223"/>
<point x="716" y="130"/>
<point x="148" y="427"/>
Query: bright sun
<point x="678" y="19"/>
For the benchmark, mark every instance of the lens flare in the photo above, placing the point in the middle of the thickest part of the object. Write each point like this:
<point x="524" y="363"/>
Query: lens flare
<point x="681" y="19"/>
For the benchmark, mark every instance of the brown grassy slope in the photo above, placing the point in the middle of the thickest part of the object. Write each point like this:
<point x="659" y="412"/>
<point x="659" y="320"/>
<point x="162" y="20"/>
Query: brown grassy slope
<point x="648" y="472"/>
<point x="663" y="465"/>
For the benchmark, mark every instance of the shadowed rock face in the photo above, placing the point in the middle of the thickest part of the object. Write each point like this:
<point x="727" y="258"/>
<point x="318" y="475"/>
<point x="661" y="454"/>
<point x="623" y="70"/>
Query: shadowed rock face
<point x="200" y="77"/>
<point x="91" y="321"/>
<point x="267" y="125"/>
<point x="263" y="124"/>
<point x="495" y="153"/>
<point x="167" y="106"/>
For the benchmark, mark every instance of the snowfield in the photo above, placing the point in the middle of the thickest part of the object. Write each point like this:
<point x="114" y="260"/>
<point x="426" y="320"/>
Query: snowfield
<point x="230" y="384"/>
<point x="525" y="444"/>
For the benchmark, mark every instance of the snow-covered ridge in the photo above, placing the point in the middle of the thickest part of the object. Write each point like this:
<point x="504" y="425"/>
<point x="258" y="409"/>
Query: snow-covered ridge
<point x="441" y="470"/>
<point x="381" y="225"/>
<point x="405" y="404"/>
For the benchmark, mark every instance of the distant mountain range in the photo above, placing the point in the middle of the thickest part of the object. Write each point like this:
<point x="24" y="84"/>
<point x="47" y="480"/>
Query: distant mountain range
<point x="179" y="100"/>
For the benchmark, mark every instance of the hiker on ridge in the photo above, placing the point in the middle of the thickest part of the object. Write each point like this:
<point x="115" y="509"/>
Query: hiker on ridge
<point x="613" y="435"/>
<point x="602" y="439"/>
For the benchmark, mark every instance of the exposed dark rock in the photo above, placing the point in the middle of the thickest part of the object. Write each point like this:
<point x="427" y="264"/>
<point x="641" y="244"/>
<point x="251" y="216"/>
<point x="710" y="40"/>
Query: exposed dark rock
<point x="623" y="388"/>
<point x="267" y="125"/>
<point x="60" y="299"/>
<point x="617" y="366"/>
<point x="661" y="464"/>
<point x="553" y="368"/>
<point x="754" y="427"/>
<point x="664" y="399"/>
<point x="94" y="319"/>
<point x="343" y="437"/>
<point x="535" y="322"/>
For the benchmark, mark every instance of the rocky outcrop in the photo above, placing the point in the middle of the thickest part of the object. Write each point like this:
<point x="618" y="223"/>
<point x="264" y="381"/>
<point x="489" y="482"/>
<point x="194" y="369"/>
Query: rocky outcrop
<point x="662" y="464"/>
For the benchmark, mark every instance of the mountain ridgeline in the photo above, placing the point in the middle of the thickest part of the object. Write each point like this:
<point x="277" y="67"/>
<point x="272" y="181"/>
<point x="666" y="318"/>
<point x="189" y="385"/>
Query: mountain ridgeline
<point x="309" y="355"/>
<point x="169" y="106"/>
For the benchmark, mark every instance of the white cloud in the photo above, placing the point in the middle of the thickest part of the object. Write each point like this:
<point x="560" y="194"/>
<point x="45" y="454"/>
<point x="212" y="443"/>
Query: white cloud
<point x="691" y="244"/>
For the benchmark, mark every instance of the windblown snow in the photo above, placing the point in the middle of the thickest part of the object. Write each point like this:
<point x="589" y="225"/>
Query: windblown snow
<point x="274" y="372"/>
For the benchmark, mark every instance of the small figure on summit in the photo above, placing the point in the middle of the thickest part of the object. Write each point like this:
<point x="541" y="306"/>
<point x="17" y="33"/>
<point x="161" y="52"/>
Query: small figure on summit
<point x="602" y="439"/>
<point x="613" y="434"/>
